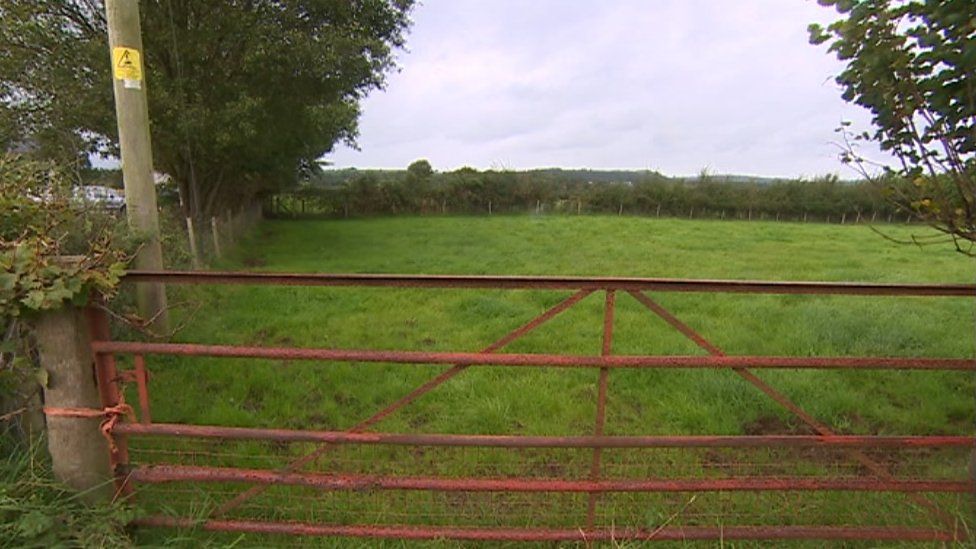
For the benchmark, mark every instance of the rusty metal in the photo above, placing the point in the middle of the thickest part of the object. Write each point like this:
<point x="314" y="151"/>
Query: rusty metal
<point x="662" y="533"/>
<point x="182" y="473"/>
<point x="416" y="393"/>
<point x="552" y="283"/>
<point x="714" y="351"/>
<point x="528" y="360"/>
<point x="107" y="378"/>
<point x="787" y="403"/>
<point x="880" y="481"/>
<point x="606" y="349"/>
<point x="523" y="441"/>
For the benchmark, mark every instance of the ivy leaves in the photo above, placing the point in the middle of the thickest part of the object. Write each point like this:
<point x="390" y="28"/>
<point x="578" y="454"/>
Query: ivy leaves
<point x="52" y="250"/>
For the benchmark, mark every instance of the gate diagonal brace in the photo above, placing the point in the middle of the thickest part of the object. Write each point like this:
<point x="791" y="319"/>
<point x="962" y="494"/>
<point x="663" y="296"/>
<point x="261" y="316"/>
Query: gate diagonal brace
<point x="815" y="424"/>
<point x="413" y="395"/>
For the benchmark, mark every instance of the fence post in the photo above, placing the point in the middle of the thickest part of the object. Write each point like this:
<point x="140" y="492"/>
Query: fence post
<point x="579" y="206"/>
<point x="489" y="207"/>
<point x="194" y="251"/>
<point x="79" y="451"/>
<point x="216" y="236"/>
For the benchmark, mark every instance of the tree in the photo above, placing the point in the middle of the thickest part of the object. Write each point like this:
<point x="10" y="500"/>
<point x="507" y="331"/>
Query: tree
<point x="912" y="63"/>
<point x="419" y="170"/>
<point x="244" y="96"/>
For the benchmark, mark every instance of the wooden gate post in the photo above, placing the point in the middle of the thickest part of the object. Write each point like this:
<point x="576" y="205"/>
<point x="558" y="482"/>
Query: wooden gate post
<point x="79" y="451"/>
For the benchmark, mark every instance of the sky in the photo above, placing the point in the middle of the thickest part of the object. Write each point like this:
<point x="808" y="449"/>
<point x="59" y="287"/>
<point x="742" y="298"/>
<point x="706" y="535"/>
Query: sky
<point x="677" y="86"/>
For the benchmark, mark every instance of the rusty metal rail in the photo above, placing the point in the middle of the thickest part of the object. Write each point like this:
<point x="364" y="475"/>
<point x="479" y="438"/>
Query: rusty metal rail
<point x="862" y="450"/>
<point x="526" y="441"/>
<point x="552" y="283"/>
<point x="663" y="533"/>
<point x="539" y="360"/>
<point x="177" y="473"/>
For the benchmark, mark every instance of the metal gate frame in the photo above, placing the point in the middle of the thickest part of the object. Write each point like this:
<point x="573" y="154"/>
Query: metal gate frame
<point x="880" y="479"/>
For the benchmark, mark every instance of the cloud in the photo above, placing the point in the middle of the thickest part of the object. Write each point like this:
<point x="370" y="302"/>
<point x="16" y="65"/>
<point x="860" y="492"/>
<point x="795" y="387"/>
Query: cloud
<point x="672" y="85"/>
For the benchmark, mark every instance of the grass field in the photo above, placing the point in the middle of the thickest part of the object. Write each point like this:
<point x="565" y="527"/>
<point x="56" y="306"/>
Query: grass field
<point x="561" y="402"/>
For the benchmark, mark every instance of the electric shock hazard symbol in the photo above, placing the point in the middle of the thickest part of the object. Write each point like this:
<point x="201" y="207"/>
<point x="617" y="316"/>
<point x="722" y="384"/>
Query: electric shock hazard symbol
<point x="127" y="65"/>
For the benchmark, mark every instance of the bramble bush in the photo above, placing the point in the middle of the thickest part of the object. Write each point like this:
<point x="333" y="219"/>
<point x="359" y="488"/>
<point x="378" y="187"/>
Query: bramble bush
<point x="54" y="249"/>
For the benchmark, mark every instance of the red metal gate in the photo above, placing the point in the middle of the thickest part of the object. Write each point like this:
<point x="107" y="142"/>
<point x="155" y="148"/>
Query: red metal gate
<point x="581" y="488"/>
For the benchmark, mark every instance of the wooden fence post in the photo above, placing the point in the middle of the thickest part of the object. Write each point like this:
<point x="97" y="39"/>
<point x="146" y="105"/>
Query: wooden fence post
<point x="579" y="206"/>
<point x="79" y="451"/>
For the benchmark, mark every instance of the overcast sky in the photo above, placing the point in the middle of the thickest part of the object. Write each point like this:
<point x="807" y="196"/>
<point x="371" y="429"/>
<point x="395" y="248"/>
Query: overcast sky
<point x="669" y="85"/>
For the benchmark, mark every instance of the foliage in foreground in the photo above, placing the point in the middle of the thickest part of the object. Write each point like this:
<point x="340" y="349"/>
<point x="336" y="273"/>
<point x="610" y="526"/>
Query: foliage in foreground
<point x="42" y="224"/>
<point x="37" y="511"/>
<point x="913" y="65"/>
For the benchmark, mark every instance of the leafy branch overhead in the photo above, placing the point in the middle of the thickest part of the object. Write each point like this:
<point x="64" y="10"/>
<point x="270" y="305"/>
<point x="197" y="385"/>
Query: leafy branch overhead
<point x="243" y="96"/>
<point x="912" y="64"/>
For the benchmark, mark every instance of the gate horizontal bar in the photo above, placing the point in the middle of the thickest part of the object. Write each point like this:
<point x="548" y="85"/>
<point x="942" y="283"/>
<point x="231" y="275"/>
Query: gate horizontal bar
<point x="513" y="441"/>
<point x="182" y="473"/>
<point x="663" y="533"/>
<point x="529" y="360"/>
<point x="550" y="283"/>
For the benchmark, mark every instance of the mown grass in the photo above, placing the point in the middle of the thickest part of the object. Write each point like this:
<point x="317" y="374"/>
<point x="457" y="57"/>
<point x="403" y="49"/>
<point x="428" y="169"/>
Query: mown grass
<point x="561" y="402"/>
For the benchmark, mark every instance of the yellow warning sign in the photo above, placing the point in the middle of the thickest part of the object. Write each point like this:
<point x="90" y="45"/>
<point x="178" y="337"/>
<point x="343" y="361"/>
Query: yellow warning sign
<point x="126" y="64"/>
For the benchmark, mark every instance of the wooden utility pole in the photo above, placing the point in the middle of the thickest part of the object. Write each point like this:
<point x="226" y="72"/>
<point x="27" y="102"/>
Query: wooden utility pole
<point x="132" y="113"/>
